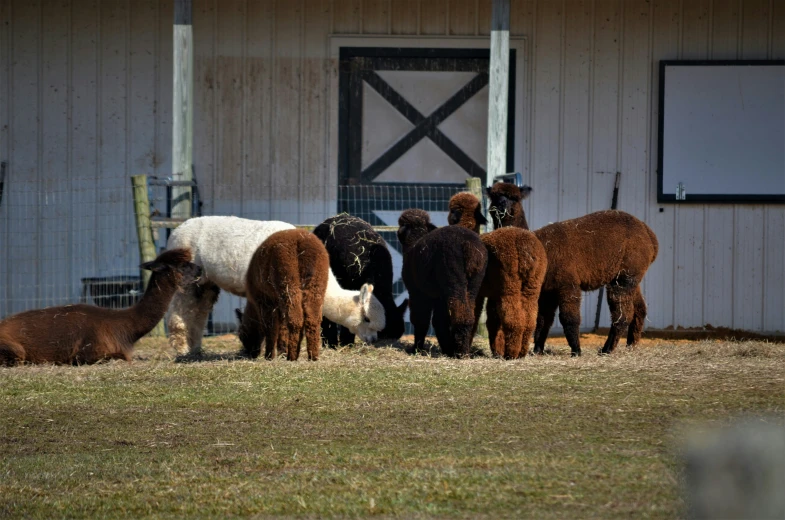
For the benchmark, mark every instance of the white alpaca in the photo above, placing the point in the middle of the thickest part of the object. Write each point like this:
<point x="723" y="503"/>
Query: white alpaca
<point x="223" y="247"/>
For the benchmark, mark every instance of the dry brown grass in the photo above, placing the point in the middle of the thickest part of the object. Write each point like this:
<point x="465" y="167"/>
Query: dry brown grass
<point x="372" y="431"/>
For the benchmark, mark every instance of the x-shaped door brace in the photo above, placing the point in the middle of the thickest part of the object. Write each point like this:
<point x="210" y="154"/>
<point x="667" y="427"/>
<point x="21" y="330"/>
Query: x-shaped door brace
<point x="424" y="126"/>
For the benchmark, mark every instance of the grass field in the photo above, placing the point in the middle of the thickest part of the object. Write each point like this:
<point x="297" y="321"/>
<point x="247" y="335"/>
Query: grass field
<point x="372" y="431"/>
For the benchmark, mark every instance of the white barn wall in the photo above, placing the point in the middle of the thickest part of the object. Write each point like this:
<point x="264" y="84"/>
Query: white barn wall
<point x="85" y="102"/>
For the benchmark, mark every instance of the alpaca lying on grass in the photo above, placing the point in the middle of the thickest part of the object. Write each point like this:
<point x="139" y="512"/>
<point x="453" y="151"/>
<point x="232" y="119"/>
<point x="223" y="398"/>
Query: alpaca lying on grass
<point x="606" y="248"/>
<point x="223" y="246"/>
<point x="358" y="255"/>
<point x="84" y="334"/>
<point x="516" y="269"/>
<point x="443" y="269"/>
<point x="285" y="286"/>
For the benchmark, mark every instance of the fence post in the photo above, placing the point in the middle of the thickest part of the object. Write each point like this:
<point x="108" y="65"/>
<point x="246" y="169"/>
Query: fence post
<point x="145" y="234"/>
<point x="474" y="186"/>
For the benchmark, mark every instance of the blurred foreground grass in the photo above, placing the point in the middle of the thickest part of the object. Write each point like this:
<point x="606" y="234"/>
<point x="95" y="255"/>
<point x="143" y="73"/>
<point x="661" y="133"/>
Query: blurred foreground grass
<point x="371" y="431"/>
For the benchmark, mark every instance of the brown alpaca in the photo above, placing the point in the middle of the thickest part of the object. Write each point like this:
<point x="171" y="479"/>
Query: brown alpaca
<point x="285" y="286"/>
<point x="466" y="211"/>
<point x="606" y="248"/>
<point x="516" y="269"/>
<point x="506" y="205"/>
<point x="84" y="334"/>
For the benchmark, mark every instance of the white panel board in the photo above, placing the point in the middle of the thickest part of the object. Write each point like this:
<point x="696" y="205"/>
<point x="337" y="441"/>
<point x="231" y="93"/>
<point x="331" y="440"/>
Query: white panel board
<point x="723" y="131"/>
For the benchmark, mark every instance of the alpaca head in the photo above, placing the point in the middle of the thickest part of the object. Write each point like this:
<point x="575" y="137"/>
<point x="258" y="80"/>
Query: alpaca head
<point x="176" y="266"/>
<point x="505" y="207"/>
<point x="248" y="333"/>
<point x="371" y="317"/>
<point x="395" y="325"/>
<point x="466" y="211"/>
<point x="413" y="225"/>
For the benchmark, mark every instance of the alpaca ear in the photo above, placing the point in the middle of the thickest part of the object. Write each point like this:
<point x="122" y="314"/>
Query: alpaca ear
<point x="365" y="294"/>
<point x="526" y="191"/>
<point x="431" y="227"/>
<point x="154" y="266"/>
<point x="479" y="217"/>
<point x="488" y="190"/>
<point x="239" y="314"/>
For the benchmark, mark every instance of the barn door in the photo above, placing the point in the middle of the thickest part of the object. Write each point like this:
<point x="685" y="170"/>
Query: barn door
<point x="412" y="127"/>
<point x="415" y="115"/>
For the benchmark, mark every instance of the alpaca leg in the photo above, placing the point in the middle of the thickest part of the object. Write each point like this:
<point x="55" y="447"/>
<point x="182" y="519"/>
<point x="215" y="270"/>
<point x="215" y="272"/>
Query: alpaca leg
<point x="570" y="316"/>
<point x="330" y="333"/>
<point x="441" y="327"/>
<point x="638" y="318"/>
<point x="621" y="303"/>
<point x="477" y="314"/>
<point x="273" y="332"/>
<point x="546" y="313"/>
<point x="493" y="324"/>
<point x="529" y="308"/>
<point x="347" y="336"/>
<point x="292" y="330"/>
<point x="512" y="320"/>
<point x="11" y="353"/>
<point x="312" y="313"/>
<point x="420" y="309"/>
<point x="190" y="309"/>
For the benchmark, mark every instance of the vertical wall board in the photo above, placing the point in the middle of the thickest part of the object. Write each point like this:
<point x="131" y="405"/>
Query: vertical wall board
<point x="575" y="169"/>
<point x="605" y="76"/>
<point x="259" y="106"/>
<point x="777" y="33"/>
<point x="23" y="175"/>
<point x="404" y="17"/>
<point x="163" y="112"/>
<point x="688" y="286"/>
<point x="546" y="112"/>
<point x="287" y="113"/>
<point x="230" y="106"/>
<point x="463" y="17"/>
<point x="604" y="127"/>
<point x="375" y="15"/>
<point x="718" y="259"/>
<point x="313" y="136"/>
<point x="144" y="75"/>
<point x="204" y="118"/>
<point x="658" y="284"/>
<point x="522" y="18"/>
<point x="84" y="71"/>
<point x="113" y="145"/>
<point x="724" y="30"/>
<point x="346" y="16"/>
<point x="774" y="274"/>
<point x="433" y="17"/>
<point x="755" y="29"/>
<point x="696" y="32"/>
<point x="635" y="129"/>
<point x="484" y="13"/>
<point x="5" y="149"/>
<point x="748" y="268"/>
<point x="143" y="87"/>
<point x="54" y="208"/>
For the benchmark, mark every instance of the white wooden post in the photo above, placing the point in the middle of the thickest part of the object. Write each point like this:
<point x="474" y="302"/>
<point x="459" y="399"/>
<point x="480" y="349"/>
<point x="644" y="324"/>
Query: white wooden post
<point x="182" y="107"/>
<point x="497" y="90"/>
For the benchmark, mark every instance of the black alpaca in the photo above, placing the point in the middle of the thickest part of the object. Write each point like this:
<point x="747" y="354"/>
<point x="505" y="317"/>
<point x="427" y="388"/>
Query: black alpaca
<point x="358" y="255"/>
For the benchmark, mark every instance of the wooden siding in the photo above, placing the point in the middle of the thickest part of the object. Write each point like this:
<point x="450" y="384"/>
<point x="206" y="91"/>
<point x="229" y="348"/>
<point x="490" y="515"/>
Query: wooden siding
<point x="85" y="102"/>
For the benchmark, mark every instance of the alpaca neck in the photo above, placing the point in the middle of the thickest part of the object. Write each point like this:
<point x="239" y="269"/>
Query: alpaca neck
<point x="151" y="308"/>
<point x="339" y="303"/>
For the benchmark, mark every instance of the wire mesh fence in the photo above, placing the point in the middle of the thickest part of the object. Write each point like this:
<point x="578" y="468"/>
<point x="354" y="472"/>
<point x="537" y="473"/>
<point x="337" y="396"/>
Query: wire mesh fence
<point x="78" y="242"/>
